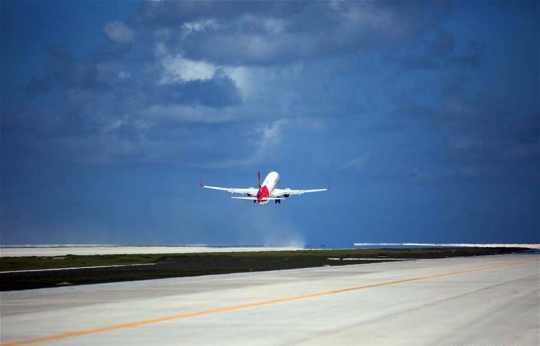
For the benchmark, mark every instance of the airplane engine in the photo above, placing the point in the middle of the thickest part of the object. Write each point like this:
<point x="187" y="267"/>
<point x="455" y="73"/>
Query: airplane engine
<point x="249" y="194"/>
<point x="286" y="195"/>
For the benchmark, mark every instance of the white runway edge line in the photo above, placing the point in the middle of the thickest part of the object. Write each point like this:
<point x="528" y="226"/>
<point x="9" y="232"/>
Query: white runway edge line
<point x="74" y="268"/>
<point x="252" y="305"/>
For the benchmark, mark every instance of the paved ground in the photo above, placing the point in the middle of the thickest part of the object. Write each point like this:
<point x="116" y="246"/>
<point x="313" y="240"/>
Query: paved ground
<point x="492" y="300"/>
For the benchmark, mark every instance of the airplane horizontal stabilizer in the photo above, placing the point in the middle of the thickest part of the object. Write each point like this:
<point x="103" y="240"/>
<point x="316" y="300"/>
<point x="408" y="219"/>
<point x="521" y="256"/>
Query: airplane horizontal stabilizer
<point x="255" y="198"/>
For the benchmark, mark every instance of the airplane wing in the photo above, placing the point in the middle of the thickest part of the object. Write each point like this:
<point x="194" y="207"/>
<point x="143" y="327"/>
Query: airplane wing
<point x="248" y="191"/>
<point x="288" y="192"/>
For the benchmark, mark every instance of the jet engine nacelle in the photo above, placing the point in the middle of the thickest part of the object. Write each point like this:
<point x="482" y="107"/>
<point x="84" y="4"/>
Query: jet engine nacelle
<point x="249" y="194"/>
<point x="286" y="194"/>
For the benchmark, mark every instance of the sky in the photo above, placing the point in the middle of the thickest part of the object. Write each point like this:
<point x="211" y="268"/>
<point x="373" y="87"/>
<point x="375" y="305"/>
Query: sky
<point x="423" y="116"/>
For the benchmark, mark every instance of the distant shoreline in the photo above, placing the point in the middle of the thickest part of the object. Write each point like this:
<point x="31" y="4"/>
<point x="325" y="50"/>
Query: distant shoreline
<point x="105" y="249"/>
<point x="91" y="250"/>
<point x="527" y="246"/>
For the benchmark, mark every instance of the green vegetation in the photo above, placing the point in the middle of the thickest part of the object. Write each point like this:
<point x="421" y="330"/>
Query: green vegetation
<point x="178" y="265"/>
<point x="69" y="261"/>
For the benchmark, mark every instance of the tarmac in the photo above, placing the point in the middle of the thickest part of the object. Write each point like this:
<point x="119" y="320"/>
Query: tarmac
<point x="489" y="300"/>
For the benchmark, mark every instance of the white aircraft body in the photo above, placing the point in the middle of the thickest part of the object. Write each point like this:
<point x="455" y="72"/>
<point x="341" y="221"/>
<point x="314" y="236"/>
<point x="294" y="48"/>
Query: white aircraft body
<point x="266" y="192"/>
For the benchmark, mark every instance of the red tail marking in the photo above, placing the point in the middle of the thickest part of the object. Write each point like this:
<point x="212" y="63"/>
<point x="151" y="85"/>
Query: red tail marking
<point x="263" y="193"/>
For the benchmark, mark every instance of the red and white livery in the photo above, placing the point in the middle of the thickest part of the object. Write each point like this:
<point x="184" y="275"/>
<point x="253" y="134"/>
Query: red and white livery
<point x="266" y="192"/>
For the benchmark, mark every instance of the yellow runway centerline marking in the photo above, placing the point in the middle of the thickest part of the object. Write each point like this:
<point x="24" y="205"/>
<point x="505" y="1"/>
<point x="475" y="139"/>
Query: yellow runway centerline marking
<point x="249" y="305"/>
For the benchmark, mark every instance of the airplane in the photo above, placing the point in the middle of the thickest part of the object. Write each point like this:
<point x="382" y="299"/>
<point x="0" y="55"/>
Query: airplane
<point x="266" y="192"/>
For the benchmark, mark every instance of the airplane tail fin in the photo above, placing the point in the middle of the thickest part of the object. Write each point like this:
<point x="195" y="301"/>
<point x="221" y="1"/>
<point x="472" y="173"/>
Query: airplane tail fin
<point x="259" y="178"/>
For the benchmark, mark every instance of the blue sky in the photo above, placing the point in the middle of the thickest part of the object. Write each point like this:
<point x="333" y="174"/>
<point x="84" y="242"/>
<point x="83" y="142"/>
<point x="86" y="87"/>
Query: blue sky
<point x="424" y="116"/>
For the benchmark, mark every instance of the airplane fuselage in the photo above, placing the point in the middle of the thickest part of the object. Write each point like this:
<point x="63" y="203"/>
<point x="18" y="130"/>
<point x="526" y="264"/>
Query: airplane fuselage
<point x="268" y="185"/>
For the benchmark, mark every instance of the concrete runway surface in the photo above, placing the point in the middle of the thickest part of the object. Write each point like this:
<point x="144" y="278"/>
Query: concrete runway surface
<point x="493" y="300"/>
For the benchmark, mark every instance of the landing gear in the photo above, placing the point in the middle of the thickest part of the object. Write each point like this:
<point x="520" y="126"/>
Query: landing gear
<point x="277" y="201"/>
<point x="254" y="201"/>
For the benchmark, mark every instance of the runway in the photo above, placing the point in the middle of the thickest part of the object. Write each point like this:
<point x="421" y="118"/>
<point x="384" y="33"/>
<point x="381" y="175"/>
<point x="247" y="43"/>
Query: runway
<point x="492" y="300"/>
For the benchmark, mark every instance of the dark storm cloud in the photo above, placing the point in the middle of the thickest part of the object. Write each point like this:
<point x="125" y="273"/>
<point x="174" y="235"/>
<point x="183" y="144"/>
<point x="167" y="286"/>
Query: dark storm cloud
<point x="443" y="45"/>
<point x="477" y="141"/>
<point x="217" y="92"/>
<point x="441" y="54"/>
<point x="269" y="33"/>
<point x="525" y="130"/>
<point x="37" y="86"/>
<point x="101" y="110"/>
<point x="69" y="74"/>
<point x="173" y="13"/>
<point x="74" y="74"/>
<point x="101" y="93"/>
<point x="482" y="134"/>
<point x="91" y="84"/>
<point x="454" y="83"/>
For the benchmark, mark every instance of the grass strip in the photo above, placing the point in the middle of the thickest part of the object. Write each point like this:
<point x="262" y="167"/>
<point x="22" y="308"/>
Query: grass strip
<point x="180" y="265"/>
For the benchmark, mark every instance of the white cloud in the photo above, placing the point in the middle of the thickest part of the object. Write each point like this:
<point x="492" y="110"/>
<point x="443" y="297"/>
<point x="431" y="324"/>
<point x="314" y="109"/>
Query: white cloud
<point x="124" y="75"/>
<point x="201" y="25"/>
<point x="112" y="125"/>
<point x="188" y="114"/>
<point x="271" y="136"/>
<point x="178" y="69"/>
<point x="274" y="26"/>
<point x="358" y="162"/>
<point x="244" y="79"/>
<point x="118" y="32"/>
